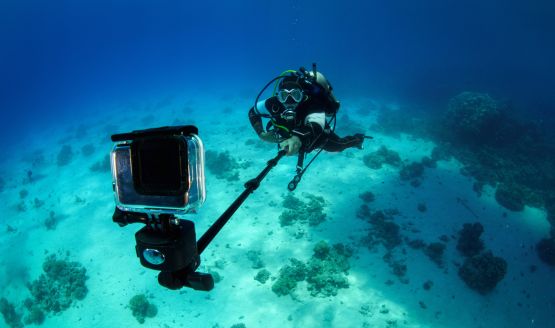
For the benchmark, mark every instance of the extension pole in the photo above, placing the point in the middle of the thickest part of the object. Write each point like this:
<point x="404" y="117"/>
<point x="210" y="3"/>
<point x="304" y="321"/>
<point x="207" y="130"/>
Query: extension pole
<point x="250" y="187"/>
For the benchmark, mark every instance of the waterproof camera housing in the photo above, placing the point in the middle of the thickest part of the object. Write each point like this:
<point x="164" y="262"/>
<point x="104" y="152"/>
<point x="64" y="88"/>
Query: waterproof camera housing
<point x="158" y="170"/>
<point x="156" y="175"/>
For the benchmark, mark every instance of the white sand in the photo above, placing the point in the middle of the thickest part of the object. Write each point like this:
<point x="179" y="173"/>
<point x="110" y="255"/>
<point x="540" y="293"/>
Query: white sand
<point x="522" y="299"/>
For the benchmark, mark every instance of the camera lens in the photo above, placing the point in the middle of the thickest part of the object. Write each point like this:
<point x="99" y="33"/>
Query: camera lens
<point x="154" y="256"/>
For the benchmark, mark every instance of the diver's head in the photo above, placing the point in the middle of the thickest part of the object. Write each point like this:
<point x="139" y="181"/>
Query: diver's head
<point x="290" y="94"/>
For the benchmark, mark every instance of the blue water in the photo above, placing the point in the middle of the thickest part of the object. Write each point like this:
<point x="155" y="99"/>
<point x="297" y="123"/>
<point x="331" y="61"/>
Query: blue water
<point x="56" y="56"/>
<point x="62" y="61"/>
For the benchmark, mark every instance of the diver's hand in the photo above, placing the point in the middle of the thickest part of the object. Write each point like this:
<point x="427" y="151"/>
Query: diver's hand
<point x="269" y="137"/>
<point x="292" y="145"/>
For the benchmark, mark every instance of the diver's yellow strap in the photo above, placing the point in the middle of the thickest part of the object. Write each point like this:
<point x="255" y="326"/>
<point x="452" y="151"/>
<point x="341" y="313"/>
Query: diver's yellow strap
<point x="280" y="126"/>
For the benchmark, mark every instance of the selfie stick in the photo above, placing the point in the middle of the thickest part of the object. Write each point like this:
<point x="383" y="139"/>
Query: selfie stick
<point x="250" y="187"/>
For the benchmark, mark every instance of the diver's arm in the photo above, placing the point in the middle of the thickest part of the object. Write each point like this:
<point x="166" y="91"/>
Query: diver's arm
<point x="256" y="121"/>
<point x="310" y="132"/>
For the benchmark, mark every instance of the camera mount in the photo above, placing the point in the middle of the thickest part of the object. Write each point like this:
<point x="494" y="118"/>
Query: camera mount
<point x="168" y="243"/>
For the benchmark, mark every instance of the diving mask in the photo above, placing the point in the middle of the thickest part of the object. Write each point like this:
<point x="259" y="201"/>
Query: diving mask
<point x="295" y="94"/>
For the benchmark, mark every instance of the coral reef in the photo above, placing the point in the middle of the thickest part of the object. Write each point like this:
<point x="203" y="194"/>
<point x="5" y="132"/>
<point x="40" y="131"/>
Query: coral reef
<point x="37" y="203"/>
<point x="142" y="308"/>
<point x="311" y="211"/>
<point x="102" y="166"/>
<point x="469" y="243"/>
<point x="414" y="171"/>
<point x="367" y="197"/>
<point x="325" y="272"/>
<point x="520" y="174"/>
<point x="287" y="218"/>
<point x="31" y="177"/>
<point x="262" y="276"/>
<point x="398" y="267"/>
<point x="510" y="197"/>
<point x="65" y="155"/>
<point x="256" y="260"/>
<point x="421" y="207"/>
<point x="380" y="157"/>
<point x="222" y="165"/>
<point x="51" y="221"/>
<point x="473" y="116"/>
<point x="411" y="171"/>
<point x="11" y="317"/>
<point x="61" y="284"/>
<point x="435" y="252"/>
<point x="21" y="207"/>
<point x="416" y="244"/>
<point x="289" y="276"/>
<point x="327" y="269"/>
<point x="546" y="250"/>
<point x="383" y="230"/>
<point x="239" y="325"/>
<point x="291" y="202"/>
<point x="483" y="272"/>
<point x="498" y="150"/>
<point x="36" y="315"/>
<point x="23" y="193"/>
<point x="495" y="147"/>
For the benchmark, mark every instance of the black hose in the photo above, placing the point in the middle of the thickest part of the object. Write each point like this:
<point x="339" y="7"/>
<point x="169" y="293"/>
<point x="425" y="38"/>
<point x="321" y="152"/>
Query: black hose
<point x="260" y="94"/>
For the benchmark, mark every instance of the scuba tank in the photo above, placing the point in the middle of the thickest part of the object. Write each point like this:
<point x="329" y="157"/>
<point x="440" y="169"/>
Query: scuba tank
<point x="315" y="84"/>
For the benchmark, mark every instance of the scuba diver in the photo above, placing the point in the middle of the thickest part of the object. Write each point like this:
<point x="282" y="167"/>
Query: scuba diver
<point x="301" y="117"/>
<point x="300" y="114"/>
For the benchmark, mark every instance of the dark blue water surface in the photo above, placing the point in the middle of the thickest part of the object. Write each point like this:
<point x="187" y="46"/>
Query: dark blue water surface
<point x="62" y="57"/>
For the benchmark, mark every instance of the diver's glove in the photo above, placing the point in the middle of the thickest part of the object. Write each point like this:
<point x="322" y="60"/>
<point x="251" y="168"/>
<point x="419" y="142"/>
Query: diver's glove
<point x="292" y="145"/>
<point x="269" y="137"/>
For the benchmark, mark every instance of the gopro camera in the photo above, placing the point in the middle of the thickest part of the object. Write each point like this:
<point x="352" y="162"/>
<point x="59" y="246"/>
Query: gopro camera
<point x="157" y="174"/>
<point x="159" y="170"/>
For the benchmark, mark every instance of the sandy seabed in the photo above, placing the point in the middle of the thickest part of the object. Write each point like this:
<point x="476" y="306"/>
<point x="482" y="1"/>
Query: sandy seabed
<point x="83" y="204"/>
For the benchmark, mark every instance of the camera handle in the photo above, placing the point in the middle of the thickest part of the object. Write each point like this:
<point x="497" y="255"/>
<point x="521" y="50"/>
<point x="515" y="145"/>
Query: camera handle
<point x="250" y="187"/>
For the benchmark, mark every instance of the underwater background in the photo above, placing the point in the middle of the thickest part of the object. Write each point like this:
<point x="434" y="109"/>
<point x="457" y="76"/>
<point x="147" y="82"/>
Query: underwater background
<point x="444" y="219"/>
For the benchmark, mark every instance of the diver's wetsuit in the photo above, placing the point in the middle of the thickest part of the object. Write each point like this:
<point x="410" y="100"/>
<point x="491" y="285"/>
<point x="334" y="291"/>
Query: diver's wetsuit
<point x="308" y="125"/>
